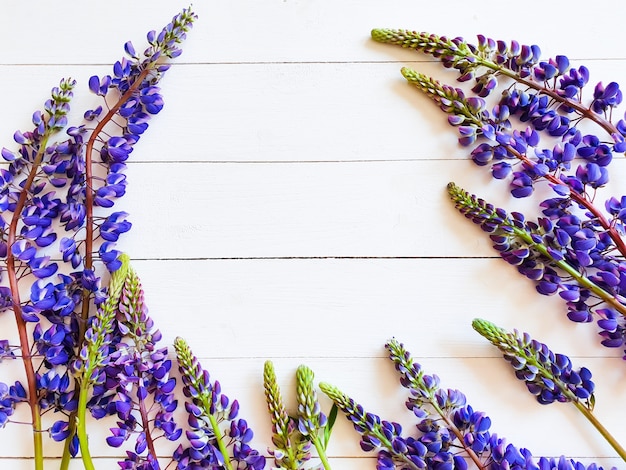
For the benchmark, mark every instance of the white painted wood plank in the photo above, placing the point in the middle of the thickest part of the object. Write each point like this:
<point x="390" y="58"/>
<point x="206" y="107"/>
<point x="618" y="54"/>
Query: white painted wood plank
<point x="349" y="308"/>
<point x="295" y="81"/>
<point x="359" y="209"/>
<point x="300" y="31"/>
<point x="271" y="112"/>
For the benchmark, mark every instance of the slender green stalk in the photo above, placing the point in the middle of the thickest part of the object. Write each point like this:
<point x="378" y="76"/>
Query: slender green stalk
<point x="601" y="429"/>
<point x="81" y="427"/>
<point x="311" y="420"/>
<point x="219" y="435"/>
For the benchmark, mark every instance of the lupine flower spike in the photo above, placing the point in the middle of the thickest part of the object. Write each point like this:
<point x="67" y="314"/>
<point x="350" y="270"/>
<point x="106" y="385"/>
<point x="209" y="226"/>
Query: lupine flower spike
<point x="448" y="431"/>
<point x="582" y="239"/>
<point x="137" y="386"/>
<point x="292" y="447"/>
<point x="134" y="92"/>
<point x="94" y="356"/>
<point x="50" y="192"/>
<point x="28" y="208"/>
<point x="559" y="257"/>
<point x="217" y="438"/>
<point x="312" y="422"/>
<point x="549" y="376"/>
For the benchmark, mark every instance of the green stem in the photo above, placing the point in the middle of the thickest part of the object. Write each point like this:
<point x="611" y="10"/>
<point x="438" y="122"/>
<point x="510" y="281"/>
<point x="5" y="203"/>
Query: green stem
<point x="601" y="429"/>
<point x="219" y="437"/>
<point x="81" y="426"/>
<point x="321" y="452"/>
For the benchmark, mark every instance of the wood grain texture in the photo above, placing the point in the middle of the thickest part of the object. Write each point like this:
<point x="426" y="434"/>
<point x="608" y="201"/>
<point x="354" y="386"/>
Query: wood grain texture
<point x="289" y="204"/>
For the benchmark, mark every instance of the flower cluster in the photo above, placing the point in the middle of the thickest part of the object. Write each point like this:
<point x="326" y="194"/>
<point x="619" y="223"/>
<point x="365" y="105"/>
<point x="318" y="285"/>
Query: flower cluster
<point x="448" y="431"/>
<point x="217" y="438"/>
<point x="559" y="256"/>
<point x="56" y="194"/>
<point x="293" y="436"/>
<point x="577" y="248"/>
<point x="136" y="385"/>
<point x="548" y="375"/>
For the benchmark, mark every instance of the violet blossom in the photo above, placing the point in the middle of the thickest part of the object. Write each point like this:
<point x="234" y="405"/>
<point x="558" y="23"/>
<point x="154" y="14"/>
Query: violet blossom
<point x="48" y="192"/>
<point x="582" y="243"/>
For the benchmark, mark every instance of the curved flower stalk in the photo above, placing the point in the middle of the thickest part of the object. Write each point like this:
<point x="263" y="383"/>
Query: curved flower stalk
<point x="549" y="376"/>
<point x="55" y="195"/>
<point x="578" y="249"/>
<point x="293" y="436"/>
<point x="217" y="438"/>
<point x="448" y="431"/>
<point x="136" y="386"/>
<point x="547" y="96"/>
<point x="562" y="257"/>
<point x="552" y="79"/>
<point x="28" y="208"/>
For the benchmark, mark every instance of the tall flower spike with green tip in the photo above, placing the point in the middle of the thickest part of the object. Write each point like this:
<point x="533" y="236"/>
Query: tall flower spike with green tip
<point x="94" y="355"/>
<point x="292" y="447"/>
<point x="488" y="59"/>
<point x="534" y="249"/>
<point x="379" y="435"/>
<point x="312" y="422"/>
<point x="548" y="375"/>
<point x="428" y="401"/>
<point x="138" y="387"/>
<point x="217" y="439"/>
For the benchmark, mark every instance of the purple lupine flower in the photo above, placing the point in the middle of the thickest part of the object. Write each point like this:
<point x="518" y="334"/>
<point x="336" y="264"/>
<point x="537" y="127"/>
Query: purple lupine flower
<point x="548" y="375"/>
<point x="379" y="435"/>
<point x="136" y="372"/>
<point x="216" y="437"/>
<point x="566" y="257"/>
<point x="9" y="397"/>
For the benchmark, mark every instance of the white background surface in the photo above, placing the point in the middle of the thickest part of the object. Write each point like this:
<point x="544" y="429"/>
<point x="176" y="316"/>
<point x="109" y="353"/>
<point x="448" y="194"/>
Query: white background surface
<point x="289" y="203"/>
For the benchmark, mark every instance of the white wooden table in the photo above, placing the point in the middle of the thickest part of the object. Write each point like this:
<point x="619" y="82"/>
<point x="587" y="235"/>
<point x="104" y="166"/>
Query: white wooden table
<point x="289" y="204"/>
